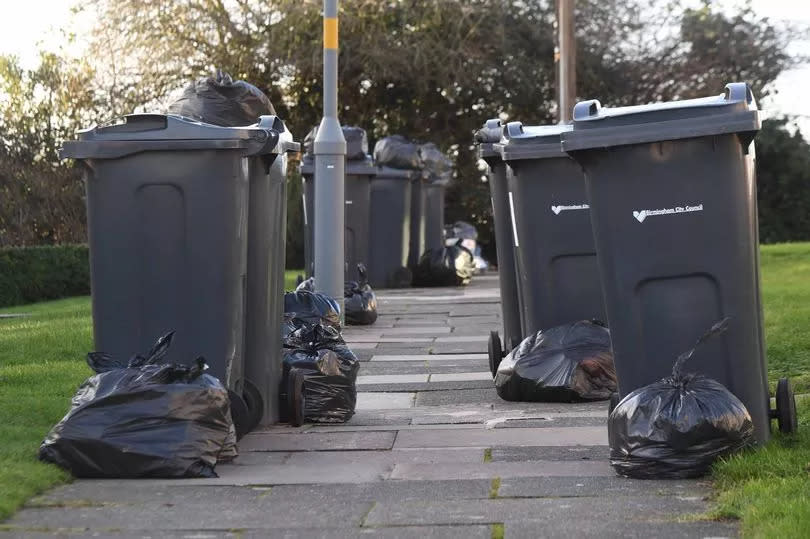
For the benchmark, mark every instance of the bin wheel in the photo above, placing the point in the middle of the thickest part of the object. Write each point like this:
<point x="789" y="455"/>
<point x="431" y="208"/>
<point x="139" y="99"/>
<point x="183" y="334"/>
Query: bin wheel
<point x="255" y="404"/>
<point x="239" y="413"/>
<point x="786" y="407"/>
<point x="295" y="398"/>
<point x="494" y="351"/>
<point x="613" y="402"/>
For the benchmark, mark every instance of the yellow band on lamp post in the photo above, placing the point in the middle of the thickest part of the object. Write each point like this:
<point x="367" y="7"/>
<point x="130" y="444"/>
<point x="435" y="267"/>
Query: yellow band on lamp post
<point x="330" y="33"/>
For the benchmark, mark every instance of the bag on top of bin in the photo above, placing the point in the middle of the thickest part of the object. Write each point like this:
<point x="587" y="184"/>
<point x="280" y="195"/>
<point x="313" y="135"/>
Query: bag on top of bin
<point x="306" y="305"/>
<point x="568" y="363"/>
<point x="360" y="300"/>
<point x="398" y="152"/>
<point x="677" y="427"/>
<point x="330" y="375"/>
<point x="437" y="164"/>
<point x="143" y="418"/>
<point x="462" y="230"/>
<point x="219" y="100"/>
<point x="356" y="142"/>
<point x="448" y="266"/>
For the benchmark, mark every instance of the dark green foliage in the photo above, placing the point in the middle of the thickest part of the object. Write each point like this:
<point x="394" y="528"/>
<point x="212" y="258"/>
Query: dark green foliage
<point x="783" y="183"/>
<point x="30" y="274"/>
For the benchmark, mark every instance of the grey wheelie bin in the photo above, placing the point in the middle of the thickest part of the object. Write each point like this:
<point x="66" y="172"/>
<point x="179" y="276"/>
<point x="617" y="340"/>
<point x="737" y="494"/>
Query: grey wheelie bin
<point x="390" y="227"/>
<point x="416" y="244"/>
<point x="167" y="220"/>
<point x="434" y="213"/>
<point x="359" y="171"/>
<point x="551" y="230"/>
<point x="267" y="235"/>
<point x="673" y="198"/>
<point x="485" y="138"/>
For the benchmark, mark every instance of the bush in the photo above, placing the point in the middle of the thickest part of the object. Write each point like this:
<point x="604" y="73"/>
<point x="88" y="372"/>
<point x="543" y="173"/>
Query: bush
<point x="31" y="274"/>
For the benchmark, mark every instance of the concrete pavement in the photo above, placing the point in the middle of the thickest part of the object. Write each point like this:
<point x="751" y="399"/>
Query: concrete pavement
<point x="431" y="452"/>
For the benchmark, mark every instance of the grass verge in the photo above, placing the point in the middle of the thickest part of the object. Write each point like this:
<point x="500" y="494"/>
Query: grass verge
<point x="769" y="489"/>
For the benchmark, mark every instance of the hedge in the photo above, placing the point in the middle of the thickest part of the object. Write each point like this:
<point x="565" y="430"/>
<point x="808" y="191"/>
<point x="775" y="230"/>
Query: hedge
<point x="31" y="274"/>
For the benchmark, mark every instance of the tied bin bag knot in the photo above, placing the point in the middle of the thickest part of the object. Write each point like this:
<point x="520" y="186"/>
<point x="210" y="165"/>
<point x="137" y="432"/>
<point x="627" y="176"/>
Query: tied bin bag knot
<point x="144" y="418"/>
<point x="679" y="426"/>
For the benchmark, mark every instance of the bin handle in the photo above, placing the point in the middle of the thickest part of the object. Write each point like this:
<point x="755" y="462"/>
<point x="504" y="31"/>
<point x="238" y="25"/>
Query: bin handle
<point x="493" y="123"/>
<point x="587" y="109"/>
<point x="739" y="91"/>
<point x="514" y="129"/>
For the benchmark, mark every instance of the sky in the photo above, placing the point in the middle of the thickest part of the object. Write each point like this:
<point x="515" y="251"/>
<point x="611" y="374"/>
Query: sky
<point x="25" y="24"/>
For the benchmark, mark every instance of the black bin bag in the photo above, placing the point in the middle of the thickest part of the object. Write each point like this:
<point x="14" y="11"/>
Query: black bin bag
<point x="314" y="347"/>
<point x="677" y="427"/>
<point x="568" y="363"/>
<point x="360" y="300"/>
<point x="143" y="418"/>
<point x="398" y="152"/>
<point x="449" y="266"/>
<point x="220" y="100"/>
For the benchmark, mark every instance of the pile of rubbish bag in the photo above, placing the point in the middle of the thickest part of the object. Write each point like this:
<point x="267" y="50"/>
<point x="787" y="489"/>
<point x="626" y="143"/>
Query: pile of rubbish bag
<point x="360" y="300"/>
<point x="452" y="265"/>
<point x="397" y="151"/>
<point x="220" y="100"/>
<point x="315" y="349"/>
<point x="438" y="166"/>
<point x="144" y="418"/>
<point x="568" y="363"/>
<point x="679" y="426"/>
<point x="467" y="234"/>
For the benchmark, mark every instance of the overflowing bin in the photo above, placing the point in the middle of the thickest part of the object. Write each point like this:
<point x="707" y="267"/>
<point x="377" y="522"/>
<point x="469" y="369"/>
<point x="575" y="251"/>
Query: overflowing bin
<point x="485" y="138"/>
<point x="673" y="203"/>
<point x="167" y="216"/>
<point x="360" y="171"/>
<point x="390" y="227"/>
<point x="553" y="242"/>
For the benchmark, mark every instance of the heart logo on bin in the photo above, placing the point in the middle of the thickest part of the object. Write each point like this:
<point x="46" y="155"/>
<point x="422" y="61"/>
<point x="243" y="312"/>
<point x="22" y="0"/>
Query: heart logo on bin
<point x="640" y="215"/>
<point x="556" y="209"/>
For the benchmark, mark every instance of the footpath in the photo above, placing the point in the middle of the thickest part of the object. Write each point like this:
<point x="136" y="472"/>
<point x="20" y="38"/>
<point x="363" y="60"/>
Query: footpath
<point x="432" y="452"/>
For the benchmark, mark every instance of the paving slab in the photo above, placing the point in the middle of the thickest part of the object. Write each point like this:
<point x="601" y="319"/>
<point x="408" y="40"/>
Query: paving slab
<point x="459" y="348"/>
<point x="519" y="454"/>
<point x="428" y="386"/>
<point x="217" y="510"/>
<point x="411" y="330"/>
<point x="547" y="511"/>
<point x="375" y="339"/>
<point x="530" y="487"/>
<point x="502" y="470"/>
<point x="461" y="376"/>
<point x="460" y="396"/>
<point x="366" y="379"/>
<point x="275" y="441"/>
<point x="626" y="529"/>
<point x="416" y="367"/>
<point x="384" y="401"/>
<point x="463" y="339"/>
<point x="551" y="436"/>
<point x="427" y="357"/>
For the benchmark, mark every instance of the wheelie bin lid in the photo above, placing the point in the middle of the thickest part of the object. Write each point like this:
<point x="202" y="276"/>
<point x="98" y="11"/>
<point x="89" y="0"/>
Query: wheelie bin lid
<point x="399" y="173"/>
<point x="531" y="141"/>
<point x="487" y="136"/>
<point x="161" y="132"/>
<point x="595" y="126"/>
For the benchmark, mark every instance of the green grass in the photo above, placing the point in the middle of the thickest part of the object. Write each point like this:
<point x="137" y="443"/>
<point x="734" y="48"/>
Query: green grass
<point x="769" y="489"/>
<point x="786" y="302"/>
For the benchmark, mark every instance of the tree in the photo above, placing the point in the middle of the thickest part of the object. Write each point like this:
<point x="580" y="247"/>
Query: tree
<point x="433" y="70"/>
